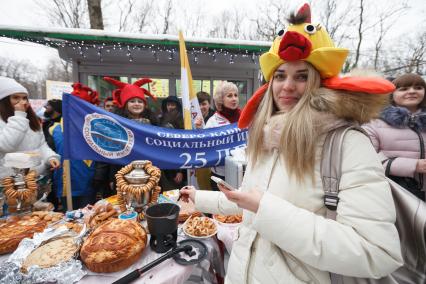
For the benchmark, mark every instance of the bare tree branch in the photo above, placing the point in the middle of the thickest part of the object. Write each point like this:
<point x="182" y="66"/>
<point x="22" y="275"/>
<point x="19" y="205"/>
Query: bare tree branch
<point x="125" y="13"/>
<point x="65" y="13"/>
<point x="142" y="15"/>
<point x="167" y="16"/>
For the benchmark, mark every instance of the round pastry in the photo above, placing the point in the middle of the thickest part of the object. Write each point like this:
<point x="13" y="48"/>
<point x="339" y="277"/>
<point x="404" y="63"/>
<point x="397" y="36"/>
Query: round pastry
<point x="51" y="254"/>
<point x="113" y="246"/>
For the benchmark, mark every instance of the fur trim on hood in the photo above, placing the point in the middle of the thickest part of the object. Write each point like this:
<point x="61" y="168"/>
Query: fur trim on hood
<point x="400" y="117"/>
<point x="350" y="106"/>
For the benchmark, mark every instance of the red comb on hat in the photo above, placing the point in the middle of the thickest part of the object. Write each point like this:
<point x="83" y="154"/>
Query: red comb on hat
<point x="85" y="93"/>
<point x="127" y="91"/>
<point x="305" y="10"/>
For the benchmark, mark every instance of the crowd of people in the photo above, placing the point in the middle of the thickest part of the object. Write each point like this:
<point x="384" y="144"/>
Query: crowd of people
<point x="285" y="237"/>
<point x="93" y="180"/>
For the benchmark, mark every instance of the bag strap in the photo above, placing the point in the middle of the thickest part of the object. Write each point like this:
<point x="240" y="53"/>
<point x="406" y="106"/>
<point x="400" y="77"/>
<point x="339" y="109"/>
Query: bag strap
<point x="331" y="166"/>
<point x="331" y="172"/>
<point x="422" y="149"/>
<point x="388" y="165"/>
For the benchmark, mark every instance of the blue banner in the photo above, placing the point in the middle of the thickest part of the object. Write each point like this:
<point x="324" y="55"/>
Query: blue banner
<point x="91" y="133"/>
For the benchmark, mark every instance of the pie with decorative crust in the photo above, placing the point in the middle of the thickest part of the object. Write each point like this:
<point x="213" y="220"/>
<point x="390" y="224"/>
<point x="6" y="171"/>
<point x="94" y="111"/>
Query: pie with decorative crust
<point x="113" y="246"/>
<point x="14" y="230"/>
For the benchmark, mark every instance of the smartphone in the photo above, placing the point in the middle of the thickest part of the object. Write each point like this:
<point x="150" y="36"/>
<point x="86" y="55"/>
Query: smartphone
<point x="222" y="182"/>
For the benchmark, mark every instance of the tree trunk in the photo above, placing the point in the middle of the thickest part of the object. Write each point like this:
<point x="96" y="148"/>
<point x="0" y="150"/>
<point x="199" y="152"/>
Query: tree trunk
<point x="95" y="14"/>
<point x="360" y="33"/>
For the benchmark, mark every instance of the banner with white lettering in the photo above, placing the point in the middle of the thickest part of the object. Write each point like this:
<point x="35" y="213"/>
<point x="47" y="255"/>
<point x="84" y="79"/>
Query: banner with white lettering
<point x="91" y="133"/>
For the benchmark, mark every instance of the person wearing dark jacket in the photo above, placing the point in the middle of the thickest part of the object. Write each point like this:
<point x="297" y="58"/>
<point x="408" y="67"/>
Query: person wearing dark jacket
<point x="205" y="105"/>
<point x="172" y="117"/>
<point x="81" y="171"/>
<point x="52" y="114"/>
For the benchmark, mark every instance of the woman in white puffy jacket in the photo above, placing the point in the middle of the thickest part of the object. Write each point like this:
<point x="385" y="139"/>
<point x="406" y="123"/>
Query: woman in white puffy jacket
<point x="285" y="236"/>
<point x="20" y="129"/>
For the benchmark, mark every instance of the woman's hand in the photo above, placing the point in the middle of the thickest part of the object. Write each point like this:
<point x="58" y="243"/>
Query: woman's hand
<point x="22" y="105"/>
<point x="54" y="164"/>
<point x="187" y="192"/>
<point x="198" y="123"/>
<point x="248" y="200"/>
<point x="421" y="166"/>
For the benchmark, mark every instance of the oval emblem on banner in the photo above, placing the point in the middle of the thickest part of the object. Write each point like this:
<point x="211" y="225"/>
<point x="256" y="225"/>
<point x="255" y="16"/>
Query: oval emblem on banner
<point x="107" y="137"/>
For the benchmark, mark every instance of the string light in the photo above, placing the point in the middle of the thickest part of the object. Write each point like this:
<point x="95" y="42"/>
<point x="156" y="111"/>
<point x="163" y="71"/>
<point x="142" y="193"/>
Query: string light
<point x="231" y="59"/>
<point x="84" y="48"/>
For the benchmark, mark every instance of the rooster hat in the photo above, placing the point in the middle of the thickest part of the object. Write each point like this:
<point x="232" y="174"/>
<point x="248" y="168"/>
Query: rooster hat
<point x="85" y="93"/>
<point x="126" y="91"/>
<point x="310" y="42"/>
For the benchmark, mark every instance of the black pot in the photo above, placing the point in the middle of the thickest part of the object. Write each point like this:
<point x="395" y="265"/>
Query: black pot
<point x="162" y="218"/>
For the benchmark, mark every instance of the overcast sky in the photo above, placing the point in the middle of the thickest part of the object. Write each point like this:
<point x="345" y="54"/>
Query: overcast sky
<point x="23" y="13"/>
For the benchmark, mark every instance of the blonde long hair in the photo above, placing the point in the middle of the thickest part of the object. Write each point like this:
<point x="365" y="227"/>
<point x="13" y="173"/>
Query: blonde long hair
<point x="300" y="132"/>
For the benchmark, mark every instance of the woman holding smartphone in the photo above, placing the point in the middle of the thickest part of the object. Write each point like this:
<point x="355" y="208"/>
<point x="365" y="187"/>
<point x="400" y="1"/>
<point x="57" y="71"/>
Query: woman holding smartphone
<point x="285" y="236"/>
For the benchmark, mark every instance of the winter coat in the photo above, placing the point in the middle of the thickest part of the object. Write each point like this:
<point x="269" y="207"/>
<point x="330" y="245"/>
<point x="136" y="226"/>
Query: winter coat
<point x="392" y="137"/>
<point x="81" y="171"/>
<point x="288" y="239"/>
<point x="17" y="136"/>
<point x="217" y="120"/>
<point x="172" y="119"/>
<point x="210" y="114"/>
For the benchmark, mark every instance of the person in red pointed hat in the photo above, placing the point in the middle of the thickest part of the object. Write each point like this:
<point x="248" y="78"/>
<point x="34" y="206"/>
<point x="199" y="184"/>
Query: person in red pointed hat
<point x="85" y="93"/>
<point x="131" y="100"/>
<point x="285" y="236"/>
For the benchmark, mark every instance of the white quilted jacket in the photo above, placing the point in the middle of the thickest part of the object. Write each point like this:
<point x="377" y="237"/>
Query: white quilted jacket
<point x="17" y="136"/>
<point x="289" y="241"/>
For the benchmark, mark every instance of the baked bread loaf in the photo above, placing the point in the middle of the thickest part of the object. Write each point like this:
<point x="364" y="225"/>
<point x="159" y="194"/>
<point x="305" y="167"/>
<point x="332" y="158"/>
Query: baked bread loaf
<point x="113" y="246"/>
<point x="51" y="253"/>
<point x="15" y="229"/>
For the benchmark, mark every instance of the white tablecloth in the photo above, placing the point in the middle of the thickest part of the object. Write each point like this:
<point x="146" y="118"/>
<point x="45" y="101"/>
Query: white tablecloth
<point x="167" y="272"/>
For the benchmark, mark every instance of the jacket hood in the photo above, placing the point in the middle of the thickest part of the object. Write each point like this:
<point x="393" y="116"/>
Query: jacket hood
<point x="171" y="99"/>
<point x="350" y="106"/>
<point x="400" y="117"/>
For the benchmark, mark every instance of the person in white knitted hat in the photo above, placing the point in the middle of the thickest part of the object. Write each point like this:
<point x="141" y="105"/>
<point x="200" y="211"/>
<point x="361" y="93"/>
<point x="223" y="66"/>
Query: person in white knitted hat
<point x="20" y="129"/>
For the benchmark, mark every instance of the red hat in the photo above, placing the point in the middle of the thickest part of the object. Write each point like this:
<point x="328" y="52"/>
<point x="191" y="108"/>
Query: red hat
<point x="85" y="93"/>
<point x="126" y="91"/>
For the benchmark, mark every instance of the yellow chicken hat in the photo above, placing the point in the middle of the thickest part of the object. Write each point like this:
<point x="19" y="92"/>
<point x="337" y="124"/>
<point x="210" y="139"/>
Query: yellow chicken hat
<point x="311" y="43"/>
<point x="304" y="41"/>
